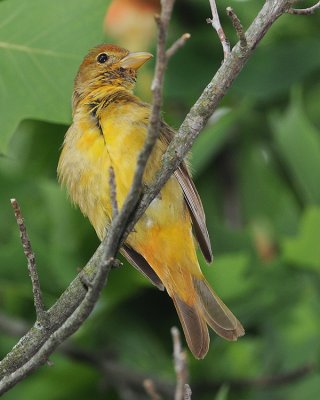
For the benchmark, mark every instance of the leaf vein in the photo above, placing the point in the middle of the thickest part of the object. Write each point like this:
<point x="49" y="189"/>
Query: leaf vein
<point x="35" y="50"/>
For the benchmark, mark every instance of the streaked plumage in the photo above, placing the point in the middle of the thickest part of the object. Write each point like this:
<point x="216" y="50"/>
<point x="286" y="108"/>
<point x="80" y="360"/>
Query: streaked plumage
<point x="109" y="129"/>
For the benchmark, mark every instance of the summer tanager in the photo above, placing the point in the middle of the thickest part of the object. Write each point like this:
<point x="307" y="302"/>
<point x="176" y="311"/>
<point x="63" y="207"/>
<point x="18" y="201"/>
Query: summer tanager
<point x="109" y="129"/>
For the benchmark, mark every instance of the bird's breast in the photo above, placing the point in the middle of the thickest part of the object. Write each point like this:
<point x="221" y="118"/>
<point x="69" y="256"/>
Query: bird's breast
<point x="92" y="146"/>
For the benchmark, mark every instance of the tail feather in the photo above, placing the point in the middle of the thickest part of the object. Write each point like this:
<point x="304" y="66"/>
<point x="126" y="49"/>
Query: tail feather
<point x="194" y="327"/>
<point x="203" y="307"/>
<point x="216" y="313"/>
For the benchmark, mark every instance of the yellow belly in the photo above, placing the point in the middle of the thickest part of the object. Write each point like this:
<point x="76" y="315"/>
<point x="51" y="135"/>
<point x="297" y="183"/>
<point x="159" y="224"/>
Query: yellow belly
<point x="163" y="236"/>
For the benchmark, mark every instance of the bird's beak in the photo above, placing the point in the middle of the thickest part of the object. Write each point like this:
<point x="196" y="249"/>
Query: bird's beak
<point x="135" y="60"/>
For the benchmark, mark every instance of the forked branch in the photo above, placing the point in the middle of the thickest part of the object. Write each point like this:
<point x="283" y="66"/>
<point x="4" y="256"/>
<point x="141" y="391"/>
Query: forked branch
<point x="38" y="344"/>
<point x="239" y="29"/>
<point x="215" y="22"/>
<point x="119" y="374"/>
<point x="304" y="11"/>
<point x="76" y="303"/>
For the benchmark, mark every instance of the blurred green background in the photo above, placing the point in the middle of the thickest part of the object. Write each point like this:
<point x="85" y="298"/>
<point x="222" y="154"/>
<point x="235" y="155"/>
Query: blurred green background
<point x="257" y="168"/>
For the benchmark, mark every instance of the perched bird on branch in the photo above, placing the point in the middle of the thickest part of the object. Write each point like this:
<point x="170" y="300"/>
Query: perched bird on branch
<point x="109" y="130"/>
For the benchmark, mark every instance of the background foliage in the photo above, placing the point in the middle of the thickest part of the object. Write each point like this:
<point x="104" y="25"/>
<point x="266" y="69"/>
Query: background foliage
<point x="257" y="168"/>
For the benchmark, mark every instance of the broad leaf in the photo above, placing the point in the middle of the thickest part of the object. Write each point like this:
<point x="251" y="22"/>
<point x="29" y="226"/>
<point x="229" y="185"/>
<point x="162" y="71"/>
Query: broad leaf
<point x="41" y="45"/>
<point x="229" y="275"/>
<point x="304" y="249"/>
<point x="265" y="194"/>
<point x="218" y="131"/>
<point x="271" y="71"/>
<point x="298" y="144"/>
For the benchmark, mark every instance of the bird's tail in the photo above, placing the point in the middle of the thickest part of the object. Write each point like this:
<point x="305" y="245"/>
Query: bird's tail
<point x="207" y="308"/>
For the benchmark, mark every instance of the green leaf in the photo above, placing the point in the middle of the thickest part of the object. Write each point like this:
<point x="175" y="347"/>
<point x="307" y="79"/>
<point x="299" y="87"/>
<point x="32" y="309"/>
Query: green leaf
<point x="214" y="136"/>
<point x="60" y="242"/>
<point x="60" y="382"/>
<point x="41" y="45"/>
<point x="123" y="283"/>
<point x="304" y="250"/>
<point x="297" y="326"/>
<point x="223" y="393"/>
<point x="229" y="275"/>
<point x="266" y="195"/>
<point x="298" y="143"/>
<point x="307" y="388"/>
<point x="271" y="71"/>
<point x="242" y="359"/>
<point x="137" y="349"/>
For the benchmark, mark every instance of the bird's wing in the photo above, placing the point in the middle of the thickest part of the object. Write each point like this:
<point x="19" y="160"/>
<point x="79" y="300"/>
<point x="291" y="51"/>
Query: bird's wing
<point x="192" y="199"/>
<point x="141" y="265"/>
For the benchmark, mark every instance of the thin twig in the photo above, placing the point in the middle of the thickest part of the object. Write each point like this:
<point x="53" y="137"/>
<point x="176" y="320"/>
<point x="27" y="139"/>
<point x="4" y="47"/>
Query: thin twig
<point x="187" y="392"/>
<point x="180" y="366"/>
<point x="304" y="11"/>
<point x="115" y="372"/>
<point x="104" y="257"/>
<point x="32" y="266"/>
<point x="113" y="239"/>
<point x="215" y="22"/>
<point x="113" y="192"/>
<point x="263" y="382"/>
<point x="114" y="236"/>
<point x="35" y="347"/>
<point x="239" y="29"/>
<point x="208" y="101"/>
<point x="161" y="62"/>
<point x="177" y="45"/>
<point x="150" y="389"/>
<point x="155" y="118"/>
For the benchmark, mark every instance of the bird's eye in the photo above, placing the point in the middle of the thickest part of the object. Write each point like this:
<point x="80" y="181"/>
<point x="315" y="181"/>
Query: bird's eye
<point x="102" y="58"/>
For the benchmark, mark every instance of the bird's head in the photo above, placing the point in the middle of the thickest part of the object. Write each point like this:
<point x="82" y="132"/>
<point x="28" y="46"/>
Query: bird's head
<point x="108" y="65"/>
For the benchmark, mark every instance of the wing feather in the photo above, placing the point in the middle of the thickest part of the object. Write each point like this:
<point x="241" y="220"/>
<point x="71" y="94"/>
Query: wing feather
<point x="141" y="265"/>
<point x="192" y="199"/>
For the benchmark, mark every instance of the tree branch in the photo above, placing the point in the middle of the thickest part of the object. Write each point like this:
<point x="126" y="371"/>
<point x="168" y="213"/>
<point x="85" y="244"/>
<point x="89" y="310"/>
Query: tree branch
<point x="33" y="350"/>
<point x="76" y="303"/>
<point x="113" y="192"/>
<point x="32" y="266"/>
<point x="238" y="28"/>
<point x="208" y="101"/>
<point x="118" y="374"/>
<point x="183" y="390"/>
<point x="215" y="22"/>
<point x="304" y="11"/>
<point x="150" y="389"/>
<point x="177" y="45"/>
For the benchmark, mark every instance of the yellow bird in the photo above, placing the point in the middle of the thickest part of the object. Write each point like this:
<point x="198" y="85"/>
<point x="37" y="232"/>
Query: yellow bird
<point x="109" y="129"/>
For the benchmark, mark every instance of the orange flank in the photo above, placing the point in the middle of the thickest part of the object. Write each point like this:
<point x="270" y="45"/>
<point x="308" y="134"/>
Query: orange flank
<point x="109" y="129"/>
